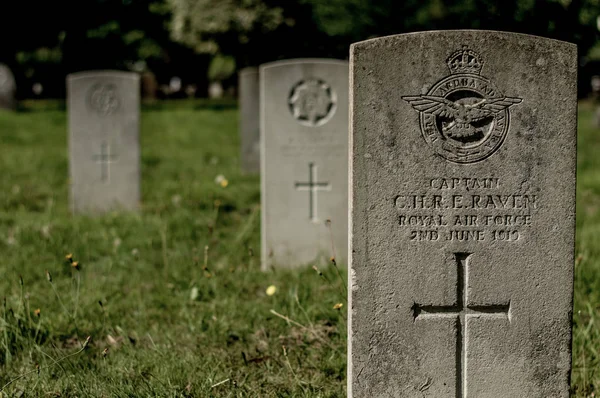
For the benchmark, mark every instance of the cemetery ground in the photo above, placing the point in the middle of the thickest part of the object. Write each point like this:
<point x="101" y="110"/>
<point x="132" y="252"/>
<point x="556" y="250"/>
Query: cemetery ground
<point x="173" y="298"/>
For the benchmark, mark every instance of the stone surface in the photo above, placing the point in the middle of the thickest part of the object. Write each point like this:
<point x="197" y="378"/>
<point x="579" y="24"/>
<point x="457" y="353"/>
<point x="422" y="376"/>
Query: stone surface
<point x="104" y="148"/>
<point x="8" y="88"/>
<point x="462" y="215"/>
<point x="249" y="124"/>
<point x="304" y="164"/>
<point x="149" y="85"/>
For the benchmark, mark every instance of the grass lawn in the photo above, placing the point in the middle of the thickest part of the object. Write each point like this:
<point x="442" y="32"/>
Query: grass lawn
<point x="173" y="298"/>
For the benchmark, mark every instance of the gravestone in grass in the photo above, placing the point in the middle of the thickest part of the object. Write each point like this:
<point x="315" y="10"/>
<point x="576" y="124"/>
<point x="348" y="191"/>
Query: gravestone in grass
<point x="8" y="88"/>
<point x="104" y="148"/>
<point x="462" y="222"/>
<point x="249" y="120"/>
<point x="304" y="166"/>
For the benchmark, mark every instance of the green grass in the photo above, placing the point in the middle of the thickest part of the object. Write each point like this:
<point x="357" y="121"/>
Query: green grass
<point x="183" y="301"/>
<point x="175" y="293"/>
<point x="586" y="319"/>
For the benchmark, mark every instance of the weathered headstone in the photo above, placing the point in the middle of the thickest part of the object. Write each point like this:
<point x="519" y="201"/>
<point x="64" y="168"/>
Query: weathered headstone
<point x="104" y="149"/>
<point x="8" y="88"/>
<point x="463" y="209"/>
<point x="249" y="120"/>
<point x="304" y="161"/>
<point x="149" y="85"/>
<point x="595" y="83"/>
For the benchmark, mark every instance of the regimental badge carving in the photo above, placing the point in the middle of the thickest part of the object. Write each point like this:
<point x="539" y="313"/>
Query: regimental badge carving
<point x="104" y="99"/>
<point x="312" y="102"/>
<point x="464" y="117"/>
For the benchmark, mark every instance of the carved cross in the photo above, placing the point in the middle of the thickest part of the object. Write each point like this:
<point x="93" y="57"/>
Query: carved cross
<point x="312" y="186"/>
<point x="461" y="311"/>
<point x="105" y="158"/>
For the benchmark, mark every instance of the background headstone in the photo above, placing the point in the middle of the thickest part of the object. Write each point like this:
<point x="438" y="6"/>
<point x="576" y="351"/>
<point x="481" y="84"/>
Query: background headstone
<point x="149" y="85"/>
<point x="215" y="90"/>
<point x="249" y="123"/>
<point x="463" y="210"/>
<point x="8" y="88"/>
<point x="304" y="161"/>
<point x="104" y="148"/>
<point x="595" y="83"/>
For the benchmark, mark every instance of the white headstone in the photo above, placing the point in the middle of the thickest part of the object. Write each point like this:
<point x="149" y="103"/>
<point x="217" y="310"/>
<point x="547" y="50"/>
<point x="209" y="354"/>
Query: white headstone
<point x="104" y="148"/>
<point x="304" y="161"/>
<point x="8" y="88"/>
<point x="249" y="124"/>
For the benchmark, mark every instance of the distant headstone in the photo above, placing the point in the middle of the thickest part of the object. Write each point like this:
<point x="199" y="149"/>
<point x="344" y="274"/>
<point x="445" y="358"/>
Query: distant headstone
<point x="149" y="85"/>
<point x="175" y="84"/>
<point x="215" y="90"/>
<point x="104" y="116"/>
<point x="37" y="88"/>
<point x="249" y="124"/>
<point x="463" y="207"/>
<point x="595" y="83"/>
<point x="304" y="166"/>
<point x="8" y="88"/>
<point x="190" y="90"/>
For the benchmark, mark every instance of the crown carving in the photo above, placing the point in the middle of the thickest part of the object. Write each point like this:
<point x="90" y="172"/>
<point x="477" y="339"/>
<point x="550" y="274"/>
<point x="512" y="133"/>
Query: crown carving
<point x="465" y="61"/>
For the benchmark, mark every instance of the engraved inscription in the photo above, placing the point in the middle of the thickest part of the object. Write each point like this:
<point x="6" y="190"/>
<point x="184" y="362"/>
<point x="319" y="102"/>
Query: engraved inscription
<point x="465" y="209"/>
<point x="103" y="99"/>
<point x="464" y="117"/>
<point x="461" y="310"/>
<point x="312" y="102"/>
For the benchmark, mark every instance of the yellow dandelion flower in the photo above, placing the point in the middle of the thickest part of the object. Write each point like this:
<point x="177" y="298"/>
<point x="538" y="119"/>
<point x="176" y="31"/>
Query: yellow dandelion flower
<point x="75" y="264"/>
<point x="338" y="306"/>
<point x="271" y="290"/>
<point x="224" y="183"/>
<point x="69" y="256"/>
<point x="37" y="312"/>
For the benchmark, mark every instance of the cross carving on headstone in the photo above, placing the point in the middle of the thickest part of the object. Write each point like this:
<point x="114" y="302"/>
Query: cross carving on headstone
<point x="105" y="158"/>
<point x="461" y="310"/>
<point x="312" y="186"/>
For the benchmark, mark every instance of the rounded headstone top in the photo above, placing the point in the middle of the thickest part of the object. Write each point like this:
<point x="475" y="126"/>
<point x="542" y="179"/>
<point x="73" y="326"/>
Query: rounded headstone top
<point x="103" y="73"/>
<point x="248" y="69"/>
<point x="300" y="61"/>
<point x="480" y="33"/>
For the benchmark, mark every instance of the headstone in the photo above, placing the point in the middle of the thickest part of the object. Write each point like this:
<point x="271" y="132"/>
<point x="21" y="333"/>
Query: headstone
<point x="190" y="90"/>
<point x="215" y="90"/>
<point x="104" y="116"/>
<point x="8" y="88"/>
<point x="37" y="88"/>
<point x="249" y="120"/>
<point x="304" y="165"/>
<point x="175" y="84"/>
<point x="463" y="174"/>
<point x="595" y="83"/>
<point x="149" y="85"/>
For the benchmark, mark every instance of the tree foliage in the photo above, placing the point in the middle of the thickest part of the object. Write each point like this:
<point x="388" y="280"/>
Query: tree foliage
<point x="45" y="40"/>
<point x="356" y="20"/>
<point x="219" y="26"/>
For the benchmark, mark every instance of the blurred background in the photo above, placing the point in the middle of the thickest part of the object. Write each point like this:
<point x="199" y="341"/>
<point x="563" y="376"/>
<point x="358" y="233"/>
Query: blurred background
<point x="194" y="48"/>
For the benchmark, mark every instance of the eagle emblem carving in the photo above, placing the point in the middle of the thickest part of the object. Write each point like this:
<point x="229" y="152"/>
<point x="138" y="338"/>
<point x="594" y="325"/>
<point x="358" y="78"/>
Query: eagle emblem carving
<point x="464" y="116"/>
